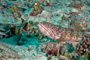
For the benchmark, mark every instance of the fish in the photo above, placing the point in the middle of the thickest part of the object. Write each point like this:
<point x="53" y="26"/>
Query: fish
<point x="61" y="34"/>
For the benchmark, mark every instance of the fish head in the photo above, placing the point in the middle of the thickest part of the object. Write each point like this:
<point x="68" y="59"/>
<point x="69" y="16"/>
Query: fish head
<point x="50" y="30"/>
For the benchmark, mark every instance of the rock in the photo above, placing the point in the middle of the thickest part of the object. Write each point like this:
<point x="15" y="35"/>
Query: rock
<point x="27" y="49"/>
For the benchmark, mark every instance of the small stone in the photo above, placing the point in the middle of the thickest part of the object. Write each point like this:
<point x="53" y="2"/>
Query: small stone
<point x="27" y="49"/>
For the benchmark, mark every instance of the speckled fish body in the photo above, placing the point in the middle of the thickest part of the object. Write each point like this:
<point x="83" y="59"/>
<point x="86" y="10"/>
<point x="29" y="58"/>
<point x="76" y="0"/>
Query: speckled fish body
<point x="59" y="33"/>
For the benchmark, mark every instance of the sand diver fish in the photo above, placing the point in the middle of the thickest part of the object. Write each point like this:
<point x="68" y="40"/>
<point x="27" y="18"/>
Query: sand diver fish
<point x="62" y="35"/>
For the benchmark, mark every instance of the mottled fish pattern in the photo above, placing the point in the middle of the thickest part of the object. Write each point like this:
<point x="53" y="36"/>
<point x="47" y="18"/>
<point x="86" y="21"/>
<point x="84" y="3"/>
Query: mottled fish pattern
<point x="59" y="33"/>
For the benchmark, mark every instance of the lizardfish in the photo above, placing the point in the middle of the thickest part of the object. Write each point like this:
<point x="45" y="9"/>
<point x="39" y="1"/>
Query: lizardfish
<point x="61" y="34"/>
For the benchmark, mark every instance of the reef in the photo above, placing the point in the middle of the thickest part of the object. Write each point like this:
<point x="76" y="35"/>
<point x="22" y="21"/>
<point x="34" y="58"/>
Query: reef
<point x="44" y="29"/>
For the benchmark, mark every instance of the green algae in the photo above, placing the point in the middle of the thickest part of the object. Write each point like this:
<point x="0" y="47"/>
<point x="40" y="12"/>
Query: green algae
<point x="49" y="58"/>
<point x="13" y="8"/>
<point x="36" y="23"/>
<point x="37" y="8"/>
<point x="62" y="18"/>
<point x="5" y="21"/>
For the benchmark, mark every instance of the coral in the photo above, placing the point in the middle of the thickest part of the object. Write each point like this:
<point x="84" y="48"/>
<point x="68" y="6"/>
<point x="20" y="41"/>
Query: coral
<point x="77" y="5"/>
<point x="56" y="50"/>
<point x="37" y="9"/>
<point x="83" y="47"/>
<point x="86" y="56"/>
<point x="50" y="48"/>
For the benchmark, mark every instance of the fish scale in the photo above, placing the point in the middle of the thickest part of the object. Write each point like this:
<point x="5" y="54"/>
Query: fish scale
<point x="61" y="34"/>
